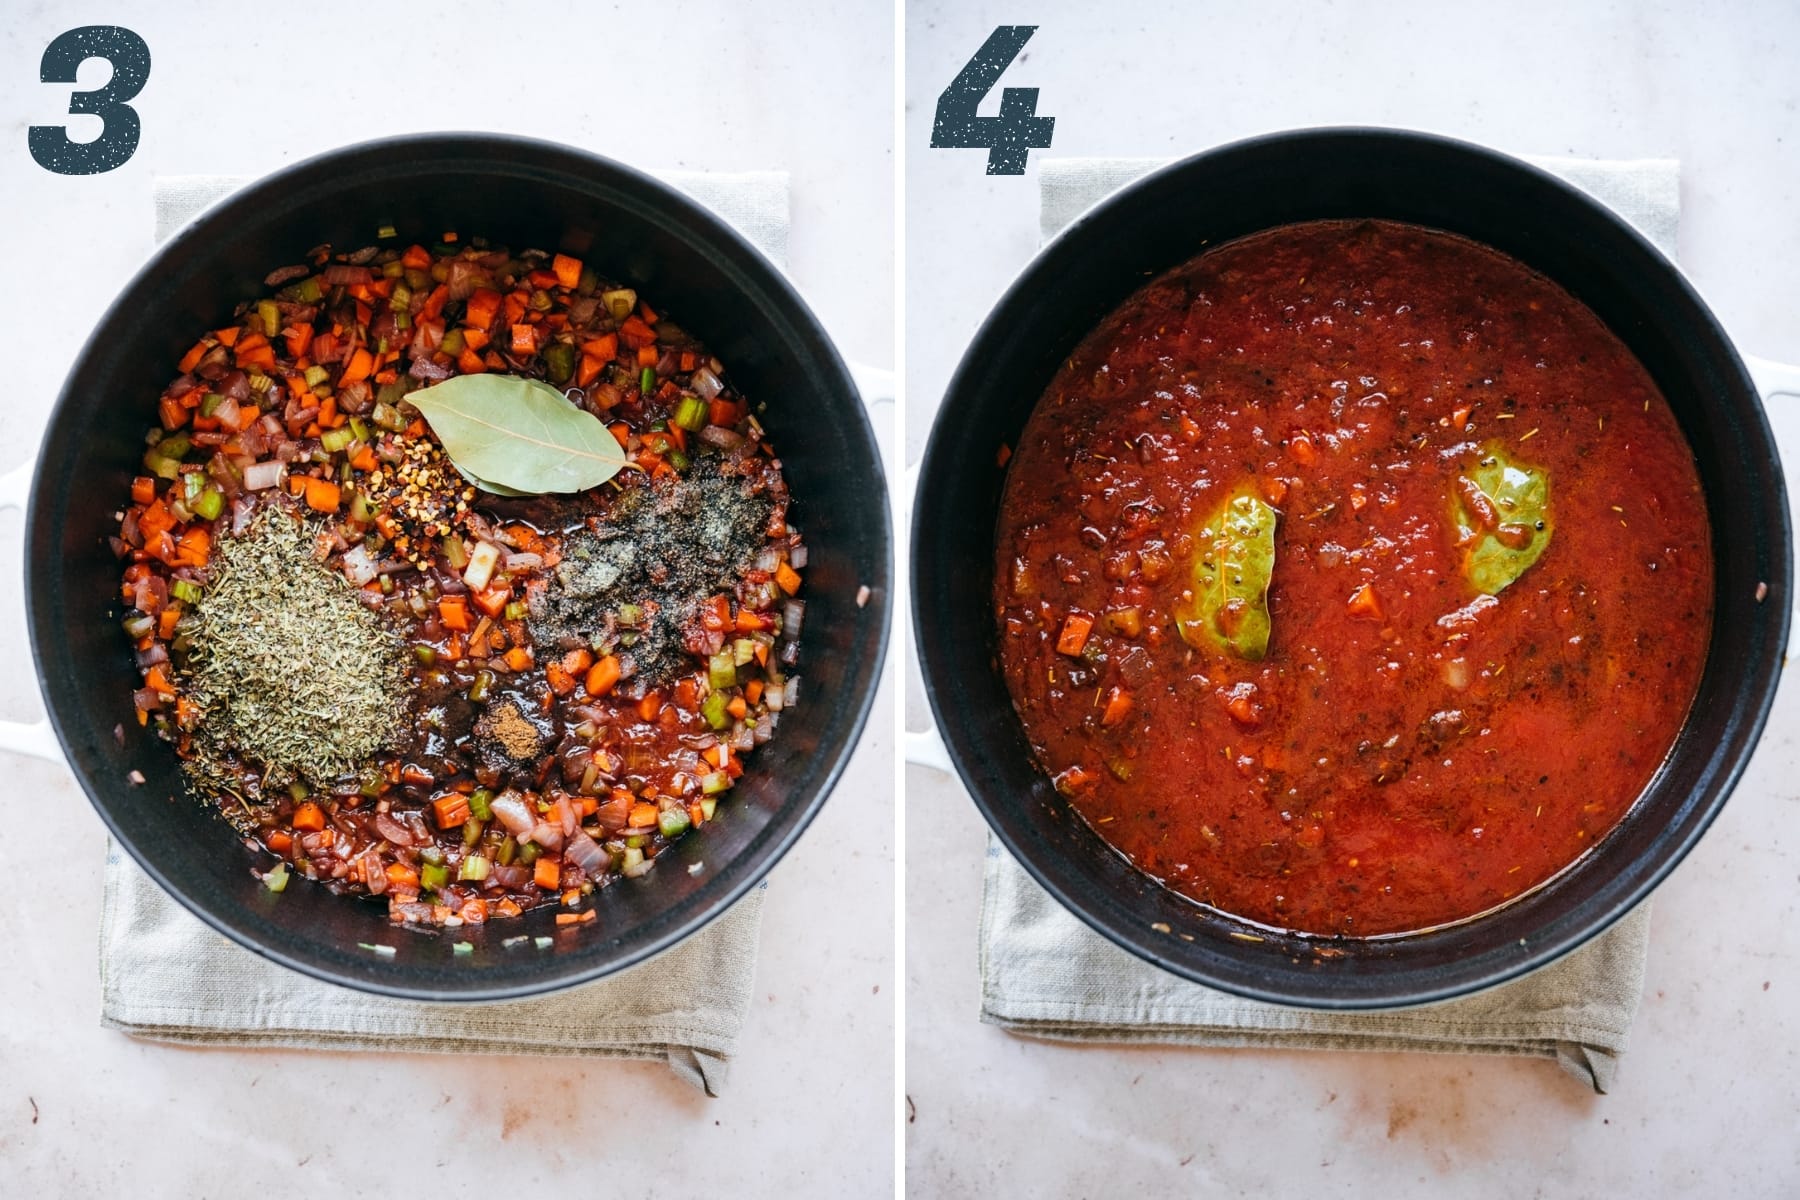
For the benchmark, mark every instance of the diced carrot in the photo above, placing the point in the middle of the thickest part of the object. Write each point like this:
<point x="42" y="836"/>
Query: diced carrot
<point x="475" y="911"/>
<point x="722" y="412"/>
<point x="299" y="338"/>
<point x="642" y="815"/>
<point x="649" y="706"/>
<point x="1243" y="710"/>
<point x="648" y="313"/>
<point x="749" y="622"/>
<point x="364" y="460"/>
<point x="482" y="308"/>
<point x="715" y="614"/>
<point x="513" y="305"/>
<point x="578" y="660"/>
<point x="561" y="682"/>
<point x="1460" y="418"/>
<point x="452" y="810"/>
<point x="524" y="339"/>
<point x="229" y="335"/>
<point x="1118" y="706"/>
<point x="636" y="333"/>
<point x="309" y="816"/>
<point x="192" y="358"/>
<point x="621" y="432"/>
<point x="547" y="874"/>
<point x="469" y="362"/>
<point x="588" y="371"/>
<point x="518" y="658"/>
<point x="605" y="347"/>
<point x="322" y="495"/>
<point x="174" y="416"/>
<point x="1364" y="603"/>
<point x="753" y="690"/>
<point x="157" y="681"/>
<point x="1274" y="490"/>
<point x="603" y="675"/>
<point x="402" y="875"/>
<point x="416" y="258"/>
<point x="453" y="611"/>
<point x="788" y="578"/>
<point x="568" y="270"/>
<point x="165" y="623"/>
<point x="195" y="546"/>
<point x="647" y="356"/>
<point x="143" y="489"/>
<point x="280" y="841"/>
<point x="361" y="364"/>
<point x="1075" y="630"/>
<point x="737" y="707"/>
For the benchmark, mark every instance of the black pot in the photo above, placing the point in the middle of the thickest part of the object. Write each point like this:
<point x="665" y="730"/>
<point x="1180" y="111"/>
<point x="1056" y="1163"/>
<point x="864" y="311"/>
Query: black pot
<point x="1161" y="222"/>
<point x="521" y="193"/>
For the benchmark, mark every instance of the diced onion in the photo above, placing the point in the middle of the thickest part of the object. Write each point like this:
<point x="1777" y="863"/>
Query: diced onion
<point x="791" y="614"/>
<point x="585" y="853"/>
<point x="263" y="475"/>
<point x="797" y="557"/>
<point x="793" y="692"/>
<point x="359" y="567"/>
<point x="723" y="438"/>
<point x="706" y="383"/>
<point x="482" y="561"/>
<point x="513" y="812"/>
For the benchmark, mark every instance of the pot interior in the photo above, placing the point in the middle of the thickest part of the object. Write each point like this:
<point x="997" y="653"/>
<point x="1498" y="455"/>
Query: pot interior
<point x="521" y="194"/>
<point x="1171" y="217"/>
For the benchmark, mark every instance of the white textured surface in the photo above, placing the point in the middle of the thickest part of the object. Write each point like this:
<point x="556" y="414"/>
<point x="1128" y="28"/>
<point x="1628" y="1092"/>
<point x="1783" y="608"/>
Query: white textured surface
<point x="710" y="86"/>
<point x="1706" y="1098"/>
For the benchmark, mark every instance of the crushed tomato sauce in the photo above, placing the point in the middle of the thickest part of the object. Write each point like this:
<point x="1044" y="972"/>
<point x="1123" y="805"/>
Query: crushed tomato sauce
<point x="536" y="734"/>
<point x="1410" y="752"/>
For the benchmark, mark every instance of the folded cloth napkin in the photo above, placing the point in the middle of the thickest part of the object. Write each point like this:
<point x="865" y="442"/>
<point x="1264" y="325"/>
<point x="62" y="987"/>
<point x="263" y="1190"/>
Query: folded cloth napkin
<point x="165" y="976"/>
<point x="1047" y="975"/>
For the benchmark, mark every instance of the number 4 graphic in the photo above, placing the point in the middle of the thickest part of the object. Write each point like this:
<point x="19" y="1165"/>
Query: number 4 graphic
<point x="1012" y="135"/>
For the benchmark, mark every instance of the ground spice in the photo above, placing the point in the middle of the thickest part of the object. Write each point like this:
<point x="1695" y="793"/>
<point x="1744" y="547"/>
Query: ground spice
<point x="286" y="666"/>
<point x="664" y="547"/>
<point x="518" y="738"/>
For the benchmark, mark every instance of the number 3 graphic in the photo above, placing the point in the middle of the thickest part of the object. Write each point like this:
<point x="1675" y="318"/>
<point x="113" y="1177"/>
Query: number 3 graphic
<point x="130" y="59"/>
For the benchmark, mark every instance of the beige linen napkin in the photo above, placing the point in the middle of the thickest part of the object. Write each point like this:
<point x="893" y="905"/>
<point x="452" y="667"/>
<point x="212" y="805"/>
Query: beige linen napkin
<point x="165" y="976"/>
<point x="1047" y="975"/>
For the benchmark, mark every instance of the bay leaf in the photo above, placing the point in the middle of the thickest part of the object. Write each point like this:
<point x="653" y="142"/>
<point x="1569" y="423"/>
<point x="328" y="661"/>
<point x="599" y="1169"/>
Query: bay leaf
<point x="1503" y="524"/>
<point x="494" y="489"/>
<point x="520" y="434"/>
<point x="1227" y="605"/>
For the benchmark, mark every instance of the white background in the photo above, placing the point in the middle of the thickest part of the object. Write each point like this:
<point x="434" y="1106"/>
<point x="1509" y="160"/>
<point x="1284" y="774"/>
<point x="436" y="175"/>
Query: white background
<point x="1707" y="1099"/>
<point x="240" y="89"/>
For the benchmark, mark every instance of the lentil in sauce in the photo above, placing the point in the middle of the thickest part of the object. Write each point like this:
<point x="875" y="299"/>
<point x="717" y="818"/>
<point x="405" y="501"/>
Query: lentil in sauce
<point x="1489" y="603"/>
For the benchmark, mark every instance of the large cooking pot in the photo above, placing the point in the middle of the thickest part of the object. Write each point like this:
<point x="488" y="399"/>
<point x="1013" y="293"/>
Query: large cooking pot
<point x="521" y="193"/>
<point x="1166" y="219"/>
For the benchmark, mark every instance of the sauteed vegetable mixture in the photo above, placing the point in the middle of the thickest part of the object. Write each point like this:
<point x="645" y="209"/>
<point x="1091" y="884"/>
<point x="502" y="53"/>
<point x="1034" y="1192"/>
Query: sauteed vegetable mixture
<point x="460" y="578"/>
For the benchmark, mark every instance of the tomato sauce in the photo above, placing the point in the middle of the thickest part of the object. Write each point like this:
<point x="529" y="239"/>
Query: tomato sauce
<point x="1410" y="751"/>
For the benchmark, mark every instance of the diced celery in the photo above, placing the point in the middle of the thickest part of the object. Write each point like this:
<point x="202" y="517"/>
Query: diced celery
<point x="276" y="880"/>
<point x="528" y="853"/>
<point x="714" y="783"/>
<point x="315" y="375"/>
<point x="543" y="943"/>
<point x="474" y="867"/>
<point x="425" y="654"/>
<point x="360" y="428"/>
<point x="619" y="302"/>
<point x="298" y="791"/>
<point x="185" y="591"/>
<point x="631" y="614"/>
<point x="678" y="459"/>
<point x="210" y="504"/>
<point x="721" y="670"/>
<point x="209" y="403"/>
<point x="386" y="231"/>
<point x="453" y="343"/>
<point x="308" y="291"/>
<point x="478" y="803"/>
<point x="471" y="832"/>
<point x="141" y="625"/>
<point x="673" y="822"/>
<point x="559" y="362"/>
<point x="478" y="692"/>
<point x="587" y="283"/>
<point x="393" y="270"/>
<point x="455" y="553"/>
<point x="708" y="806"/>
<point x="647" y="380"/>
<point x="633" y="856"/>
<point x="336" y="439"/>
<point x="691" y="414"/>
<point x="433" y="876"/>
<point x="743" y="650"/>
<point x="516" y="610"/>
<point x="270" y="316"/>
<point x="361" y="507"/>
<point x="462" y="949"/>
<point x="713" y="709"/>
<point x="400" y="297"/>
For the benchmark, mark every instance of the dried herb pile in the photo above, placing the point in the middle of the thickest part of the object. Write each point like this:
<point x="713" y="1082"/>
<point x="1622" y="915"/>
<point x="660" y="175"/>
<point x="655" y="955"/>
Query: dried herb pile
<point x="287" y="667"/>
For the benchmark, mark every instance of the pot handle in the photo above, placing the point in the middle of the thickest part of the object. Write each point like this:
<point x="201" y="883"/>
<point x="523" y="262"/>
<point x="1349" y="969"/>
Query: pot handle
<point x="922" y="747"/>
<point x="1773" y="378"/>
<point x="33" y="738"/>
